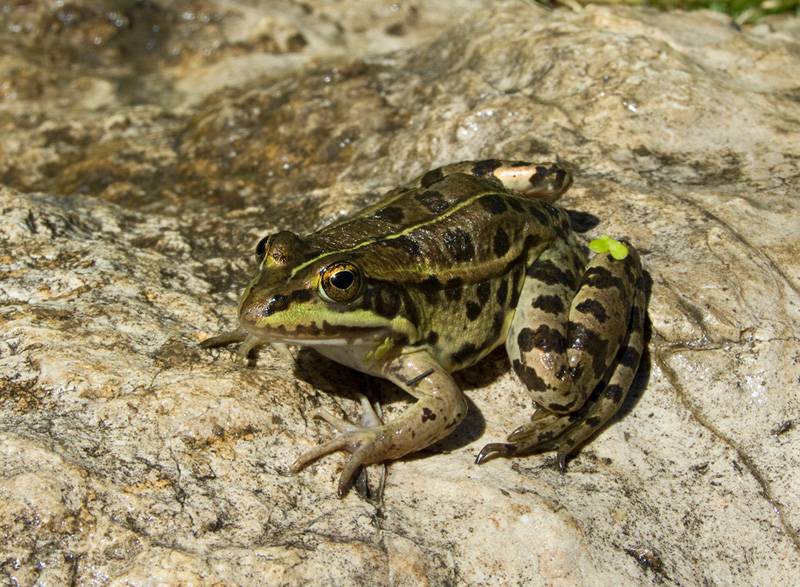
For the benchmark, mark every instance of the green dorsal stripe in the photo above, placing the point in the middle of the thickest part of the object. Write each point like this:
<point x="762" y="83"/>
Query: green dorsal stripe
<point x="406" y="231"/>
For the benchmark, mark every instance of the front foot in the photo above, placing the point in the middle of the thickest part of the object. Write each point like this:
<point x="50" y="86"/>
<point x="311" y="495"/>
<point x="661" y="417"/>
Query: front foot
<point x="365" y="443"/>
<point x="366" y="446"/>
<point x="247" y="340"/>
<point x="439" y="408"/>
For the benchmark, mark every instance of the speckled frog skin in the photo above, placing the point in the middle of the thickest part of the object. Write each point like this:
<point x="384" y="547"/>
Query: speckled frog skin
<point x="432" y="278"/>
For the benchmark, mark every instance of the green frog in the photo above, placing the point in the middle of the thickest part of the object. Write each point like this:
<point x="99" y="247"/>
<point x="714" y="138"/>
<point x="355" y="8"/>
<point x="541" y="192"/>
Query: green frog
<point x="428" y="281"/>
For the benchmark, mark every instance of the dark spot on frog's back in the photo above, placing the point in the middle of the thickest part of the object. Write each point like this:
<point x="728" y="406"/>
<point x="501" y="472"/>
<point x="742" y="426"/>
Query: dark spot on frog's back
<point x="453" y="288"/>
<point x="430" y="287"/>
<point x="484" y="291"/>
<point x="433" y="201"/>
<point x="431" y="177"/>
<point x="515" y="204"/>
<point x="486" y="168"/>
<point x="459" y="244"/>
<point x="393" y="214"/>
<point x="536" y="209"/>
<point x="516" y="285"/>
<point x="493" y="204"/>
<point x="554" y="212"/>
<point x="473" y="310"/>
<point x="502" y="293"/>
<point x="497" y="324"/>
<point x="409" y="245"/>
<point x="501" y="242"/>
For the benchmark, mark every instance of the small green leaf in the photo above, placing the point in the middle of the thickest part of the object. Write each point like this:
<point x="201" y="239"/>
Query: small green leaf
<point x="607" y="244"/>
<point x="599" y="245"/>
<point x="618" y="250"/>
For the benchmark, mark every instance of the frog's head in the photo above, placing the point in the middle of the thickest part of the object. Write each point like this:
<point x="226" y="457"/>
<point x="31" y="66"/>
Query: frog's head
<point x="305" y="296"/>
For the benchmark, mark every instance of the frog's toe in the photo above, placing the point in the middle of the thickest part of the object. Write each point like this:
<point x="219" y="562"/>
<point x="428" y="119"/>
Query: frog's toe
<point x="495" y="449"/>
<point x="336" y="423"/>
<point x="370" y="417"/>
<point x="225" y="338"/>
<point x="510" y="449"/>
<point x="545" y="432"/>
<point x="365" y="445"/>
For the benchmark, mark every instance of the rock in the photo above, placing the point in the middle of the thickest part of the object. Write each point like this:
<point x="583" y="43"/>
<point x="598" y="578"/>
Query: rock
<point x="145" y="151"/>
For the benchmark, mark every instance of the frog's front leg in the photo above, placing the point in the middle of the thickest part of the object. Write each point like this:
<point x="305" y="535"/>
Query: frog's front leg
<point x="249" y="342"/>
<point x="439" y="408"/>
<point x="564" y="354"/>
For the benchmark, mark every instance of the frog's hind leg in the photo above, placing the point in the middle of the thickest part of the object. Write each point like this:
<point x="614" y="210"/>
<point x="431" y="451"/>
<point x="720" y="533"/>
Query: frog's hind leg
<point x="565" y="433"/>
<point x="564" y="430"/>
<point x="544" y="181"/>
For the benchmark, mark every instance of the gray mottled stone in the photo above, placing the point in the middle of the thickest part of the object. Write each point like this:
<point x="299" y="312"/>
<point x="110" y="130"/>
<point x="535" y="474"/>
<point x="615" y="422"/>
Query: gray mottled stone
<point x="145" y="150"/>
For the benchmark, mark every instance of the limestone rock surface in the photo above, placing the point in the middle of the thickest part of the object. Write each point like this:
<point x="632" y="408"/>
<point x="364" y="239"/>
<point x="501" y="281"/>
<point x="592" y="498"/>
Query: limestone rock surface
<point x="145" y="148"/>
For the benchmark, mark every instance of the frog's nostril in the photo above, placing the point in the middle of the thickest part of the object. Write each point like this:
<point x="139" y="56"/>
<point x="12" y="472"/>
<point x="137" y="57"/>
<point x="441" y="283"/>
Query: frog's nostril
<point x="278" y="303"/>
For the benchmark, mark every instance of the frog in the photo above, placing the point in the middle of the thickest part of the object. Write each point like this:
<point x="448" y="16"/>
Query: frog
<point x="429" y="280"/>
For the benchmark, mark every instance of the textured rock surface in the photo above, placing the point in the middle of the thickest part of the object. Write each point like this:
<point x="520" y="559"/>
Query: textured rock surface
<point x="144" y="153"/>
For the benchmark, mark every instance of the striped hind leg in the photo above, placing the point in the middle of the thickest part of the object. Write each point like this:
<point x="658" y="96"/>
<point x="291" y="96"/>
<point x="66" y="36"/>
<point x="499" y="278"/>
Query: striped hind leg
<point x="566" y="417"/>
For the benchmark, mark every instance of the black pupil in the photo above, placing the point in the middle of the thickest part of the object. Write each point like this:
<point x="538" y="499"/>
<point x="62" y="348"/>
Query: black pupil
<point x="342" y="279"/>
<point x="261" y="248"/>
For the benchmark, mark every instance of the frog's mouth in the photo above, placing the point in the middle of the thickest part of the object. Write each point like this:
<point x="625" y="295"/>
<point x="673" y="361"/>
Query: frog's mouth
<point x="295" y="325"/>
<point x="313" y="335"/>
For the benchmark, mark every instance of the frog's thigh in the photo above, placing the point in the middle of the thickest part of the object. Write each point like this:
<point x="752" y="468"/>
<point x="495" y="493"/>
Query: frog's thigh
<point x="569" y="432"/>
<point x="536" y="341"/>
<point x="566" y="432"/>
<point x="562" y="354"/>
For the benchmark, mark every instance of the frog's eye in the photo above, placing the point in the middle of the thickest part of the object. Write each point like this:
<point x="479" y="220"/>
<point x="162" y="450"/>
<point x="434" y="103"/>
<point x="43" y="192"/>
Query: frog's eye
<point x="341" y="282"/>
<point x="261" y="247"/>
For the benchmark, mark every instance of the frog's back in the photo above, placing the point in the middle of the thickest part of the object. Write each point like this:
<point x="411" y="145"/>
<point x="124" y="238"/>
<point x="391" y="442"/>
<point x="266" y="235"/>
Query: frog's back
<point x="455" y="250"/>
<point x="458" y="227"/>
